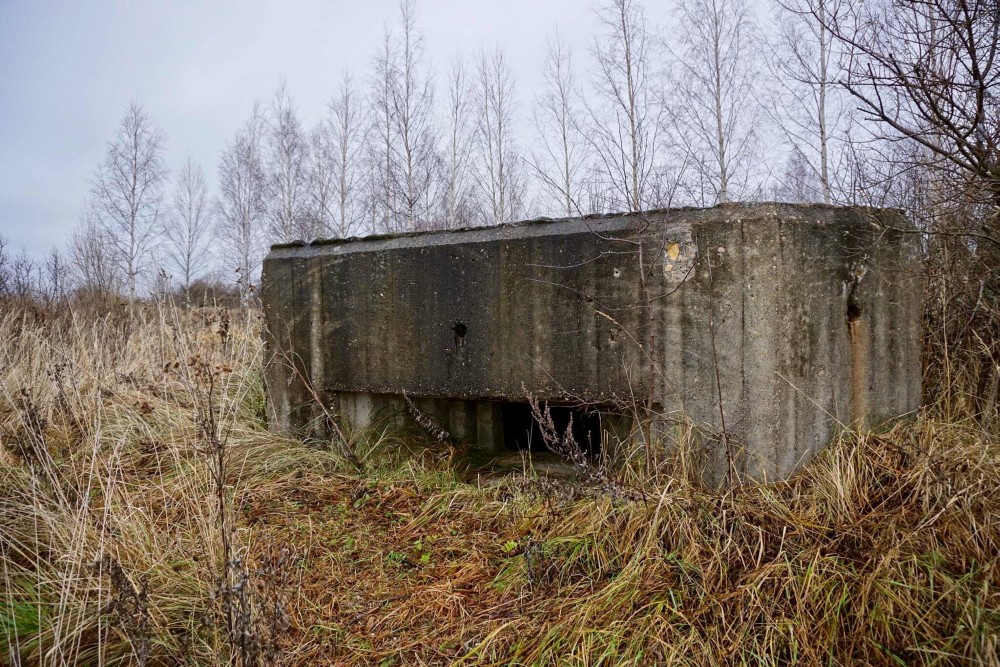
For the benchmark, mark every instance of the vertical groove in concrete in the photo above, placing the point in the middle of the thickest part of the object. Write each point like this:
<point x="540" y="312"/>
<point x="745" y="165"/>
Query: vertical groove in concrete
<point x="317" y="327"/>
<point x="745" y="398"/>
<point x="859" y="372"/>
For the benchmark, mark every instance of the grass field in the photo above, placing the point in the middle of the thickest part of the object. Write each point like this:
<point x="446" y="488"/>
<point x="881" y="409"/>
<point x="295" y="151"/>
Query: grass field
<point x="148" y="517"/>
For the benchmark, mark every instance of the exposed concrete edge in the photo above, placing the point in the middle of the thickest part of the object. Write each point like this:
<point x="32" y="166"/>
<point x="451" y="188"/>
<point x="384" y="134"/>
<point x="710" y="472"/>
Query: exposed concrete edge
<point x="597" y="223"/>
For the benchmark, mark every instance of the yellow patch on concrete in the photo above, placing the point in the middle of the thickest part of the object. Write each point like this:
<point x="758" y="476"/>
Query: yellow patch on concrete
<point x="673" y="251"/>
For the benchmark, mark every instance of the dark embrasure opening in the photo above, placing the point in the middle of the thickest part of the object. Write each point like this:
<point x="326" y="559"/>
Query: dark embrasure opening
<point x="521" y="431"/>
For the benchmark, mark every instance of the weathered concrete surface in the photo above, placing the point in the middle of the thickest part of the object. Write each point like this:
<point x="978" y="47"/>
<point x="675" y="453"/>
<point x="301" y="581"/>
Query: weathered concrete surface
<point x="810" y="315"/>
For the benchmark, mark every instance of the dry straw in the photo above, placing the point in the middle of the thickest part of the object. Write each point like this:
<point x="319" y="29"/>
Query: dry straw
<point x="126" y="539"/>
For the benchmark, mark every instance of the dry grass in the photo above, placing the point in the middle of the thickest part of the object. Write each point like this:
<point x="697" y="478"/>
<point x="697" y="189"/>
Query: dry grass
<point x="884" y="551"/>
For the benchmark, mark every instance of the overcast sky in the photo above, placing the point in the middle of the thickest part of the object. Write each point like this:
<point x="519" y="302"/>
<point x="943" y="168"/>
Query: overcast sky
<point x="68" y="69"/>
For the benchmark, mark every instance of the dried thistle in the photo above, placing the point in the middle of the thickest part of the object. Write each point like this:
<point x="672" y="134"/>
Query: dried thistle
<point x="128" y="605"/>
<point x="426" y="422"/>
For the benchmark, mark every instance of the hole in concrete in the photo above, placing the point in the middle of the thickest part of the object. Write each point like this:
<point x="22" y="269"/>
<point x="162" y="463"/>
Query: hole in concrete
<point x="521" y="432"/>
<point x="853" y="307"/>
<point x="460" y="330"/>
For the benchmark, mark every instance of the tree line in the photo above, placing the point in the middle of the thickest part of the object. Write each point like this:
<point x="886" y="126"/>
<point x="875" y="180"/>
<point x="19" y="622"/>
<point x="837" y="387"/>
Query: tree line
<point x="875" y="102"/>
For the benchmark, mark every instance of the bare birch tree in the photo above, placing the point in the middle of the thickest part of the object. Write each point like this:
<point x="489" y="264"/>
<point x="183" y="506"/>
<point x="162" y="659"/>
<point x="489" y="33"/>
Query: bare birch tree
<point x="286" y="164"/>
<point x="808" y="109"/>
<point x="188" y="228"/>
<point x="716" y="72"/>
<point x="381" y="186"/>
<point x="322" y="177"/>
<point x="23" y="276"/>
<point x="403" y="152"/>
<point x="625" y="117"/>
<point x="414" y="113"/>
<point x="346" y="131"/>
<point x="240" y="206"/>
<point x="560" y="157"/>
<point x="458" y="198"/>
<point x="55" y="279"/>
<point x="96" y="275"/>
<point x="501" y="169"/>
<point x="127" y="193"/>
<point x="800" y="182"/>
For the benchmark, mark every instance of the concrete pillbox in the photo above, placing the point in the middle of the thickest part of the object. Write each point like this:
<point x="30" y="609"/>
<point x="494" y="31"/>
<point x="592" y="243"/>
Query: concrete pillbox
<point x="790" y="321"/>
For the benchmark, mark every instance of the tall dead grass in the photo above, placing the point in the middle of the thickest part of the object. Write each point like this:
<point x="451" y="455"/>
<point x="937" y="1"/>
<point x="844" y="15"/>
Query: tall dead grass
<point x="113" y="539"/>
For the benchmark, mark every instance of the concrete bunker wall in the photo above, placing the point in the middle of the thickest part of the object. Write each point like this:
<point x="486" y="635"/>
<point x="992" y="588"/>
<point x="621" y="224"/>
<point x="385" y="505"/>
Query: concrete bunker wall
<point x="810" y="314"/>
